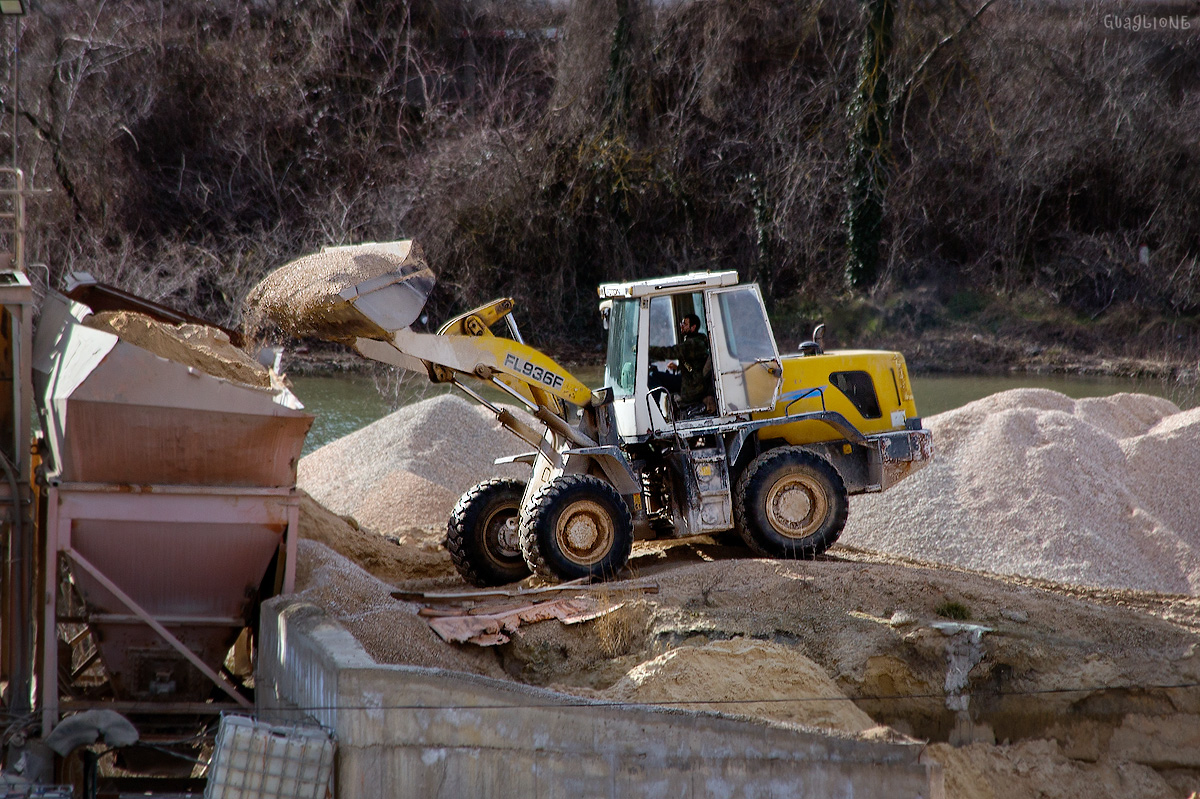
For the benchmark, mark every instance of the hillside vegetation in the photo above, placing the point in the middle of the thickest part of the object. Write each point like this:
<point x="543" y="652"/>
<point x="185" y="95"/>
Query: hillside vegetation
<point x="1044" y="165"/>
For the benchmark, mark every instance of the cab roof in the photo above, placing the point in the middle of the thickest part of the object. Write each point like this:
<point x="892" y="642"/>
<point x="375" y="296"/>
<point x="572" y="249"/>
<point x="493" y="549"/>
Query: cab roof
<point x="670" y="284"/>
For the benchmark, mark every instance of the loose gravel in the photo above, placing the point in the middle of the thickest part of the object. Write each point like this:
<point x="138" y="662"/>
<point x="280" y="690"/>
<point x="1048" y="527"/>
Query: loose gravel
<point x="389" y="630"/>
<point x="205" y="348"/>
<point x="1099" y="492"/>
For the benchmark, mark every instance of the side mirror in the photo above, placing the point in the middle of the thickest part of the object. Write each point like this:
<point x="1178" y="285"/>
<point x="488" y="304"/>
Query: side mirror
<point x="661" y="404"/>
<point x="817" y="345"/>
<point x="605" y="312"/>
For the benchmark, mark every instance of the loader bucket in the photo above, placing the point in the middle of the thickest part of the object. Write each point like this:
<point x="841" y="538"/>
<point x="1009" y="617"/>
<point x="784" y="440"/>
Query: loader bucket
<point x="344" y="293"/>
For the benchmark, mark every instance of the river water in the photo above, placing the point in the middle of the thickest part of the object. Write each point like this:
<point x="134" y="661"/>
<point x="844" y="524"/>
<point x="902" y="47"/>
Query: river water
<point x="344" y="404"/>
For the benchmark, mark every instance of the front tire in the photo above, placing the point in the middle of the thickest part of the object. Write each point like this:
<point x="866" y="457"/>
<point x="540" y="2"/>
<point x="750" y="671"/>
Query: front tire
<point x="577" y="526"/>
<point x="790" y="504"/>
<point x="483" y="534"/>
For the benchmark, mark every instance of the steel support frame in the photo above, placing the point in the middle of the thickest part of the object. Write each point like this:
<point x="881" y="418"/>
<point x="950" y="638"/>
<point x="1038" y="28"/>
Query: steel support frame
<point x="166" y="504"/>
<point x="18" y="647"/>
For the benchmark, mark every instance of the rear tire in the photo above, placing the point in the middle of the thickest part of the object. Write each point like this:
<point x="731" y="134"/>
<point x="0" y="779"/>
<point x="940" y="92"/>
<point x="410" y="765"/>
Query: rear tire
<point x="577" y="526"/>
<point x="483" y="534"/>
<point x="790" y="503"/>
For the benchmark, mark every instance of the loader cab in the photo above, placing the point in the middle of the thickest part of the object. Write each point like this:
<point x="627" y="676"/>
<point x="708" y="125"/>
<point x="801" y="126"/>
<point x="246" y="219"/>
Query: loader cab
<point x="745" y="366"/>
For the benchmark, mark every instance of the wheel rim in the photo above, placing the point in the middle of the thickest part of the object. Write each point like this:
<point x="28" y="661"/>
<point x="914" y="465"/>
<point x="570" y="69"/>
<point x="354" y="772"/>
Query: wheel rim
<point x="797" y="505"/>
<point x="585" y="532"/>
<point x="503" y="535"/>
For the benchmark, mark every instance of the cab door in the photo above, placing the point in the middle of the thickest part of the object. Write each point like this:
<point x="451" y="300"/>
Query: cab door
<point x="745" y="359"/>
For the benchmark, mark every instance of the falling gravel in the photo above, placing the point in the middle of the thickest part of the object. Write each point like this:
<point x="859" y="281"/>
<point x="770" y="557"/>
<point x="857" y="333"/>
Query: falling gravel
<point x="410" y="467"/>
<point x="1029" y="482"/>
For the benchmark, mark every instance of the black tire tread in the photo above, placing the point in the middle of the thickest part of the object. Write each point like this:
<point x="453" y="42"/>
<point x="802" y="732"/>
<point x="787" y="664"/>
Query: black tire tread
<point x="547" y="496"/>
<point x="765" y="464"/>
<point x="461" y="544"/>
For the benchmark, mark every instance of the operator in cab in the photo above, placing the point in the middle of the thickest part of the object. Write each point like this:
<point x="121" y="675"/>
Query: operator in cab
<point x="695" y="372"/>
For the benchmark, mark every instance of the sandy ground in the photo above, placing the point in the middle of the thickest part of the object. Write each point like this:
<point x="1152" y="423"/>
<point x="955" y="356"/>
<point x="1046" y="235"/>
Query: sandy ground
<point x="1060" y="689"/>
<point x="1062" y="670"/>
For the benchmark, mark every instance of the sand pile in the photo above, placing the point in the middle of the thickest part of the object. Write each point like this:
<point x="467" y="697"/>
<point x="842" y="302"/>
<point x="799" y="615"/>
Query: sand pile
<point x="1038" y="769"/>
<point x="409" y="468"/>
<point x="1030" y="482"/>
<point x="205" y="348"/>
<point x="415" y="554"/>
<point x="302" y="297"/>
<point x="389" y="630"/>
<point x="732" y="673"/>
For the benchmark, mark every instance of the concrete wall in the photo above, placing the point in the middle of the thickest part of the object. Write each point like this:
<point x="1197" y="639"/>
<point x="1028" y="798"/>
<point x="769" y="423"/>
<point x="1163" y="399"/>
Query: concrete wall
<point x="414" y="732"/>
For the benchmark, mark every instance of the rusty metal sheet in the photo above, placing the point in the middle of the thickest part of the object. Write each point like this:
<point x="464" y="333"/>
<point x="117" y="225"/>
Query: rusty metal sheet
<point x="487" y="629"/>
<point x="106" y="442"/>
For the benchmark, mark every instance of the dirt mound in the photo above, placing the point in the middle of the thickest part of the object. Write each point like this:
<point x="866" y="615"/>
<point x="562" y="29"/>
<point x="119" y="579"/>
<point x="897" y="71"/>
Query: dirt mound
<point x="409" y="468"/>
<point x="1030" y="482"/>
<point x="389" y="630"/>
<point x="744" y="677"/>
<point x="1039" y="770"/>
<point x="205" y="348"/>
<point x="413" y="555"/>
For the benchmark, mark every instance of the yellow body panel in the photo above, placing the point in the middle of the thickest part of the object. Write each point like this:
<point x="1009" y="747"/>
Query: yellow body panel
<point x="466" y="344"/>
<point x="477" y="321"/>
<point x="529" y="371"/>
<point x="802" y="374"/>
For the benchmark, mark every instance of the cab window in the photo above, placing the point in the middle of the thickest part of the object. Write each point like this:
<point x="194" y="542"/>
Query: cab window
<point x="621" y="364"/>
<point x="747" y="333"/>
<point x="662" y="322"/>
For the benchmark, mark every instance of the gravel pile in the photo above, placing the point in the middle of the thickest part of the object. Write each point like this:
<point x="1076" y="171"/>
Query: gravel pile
<point x="412" y="555"/>
<point x="389" y="630"/>
<point x="205" y="348"/>
<point x="410" y="467"/>
<point x="1029" y="482"/>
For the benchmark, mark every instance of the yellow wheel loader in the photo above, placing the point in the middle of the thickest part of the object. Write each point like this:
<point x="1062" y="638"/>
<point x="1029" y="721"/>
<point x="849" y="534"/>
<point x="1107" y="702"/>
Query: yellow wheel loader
<point x="774" y="454"/>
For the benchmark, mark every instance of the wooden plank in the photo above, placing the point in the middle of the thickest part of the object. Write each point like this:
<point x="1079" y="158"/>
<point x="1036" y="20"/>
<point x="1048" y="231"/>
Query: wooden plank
<point x="488" y="592"/>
